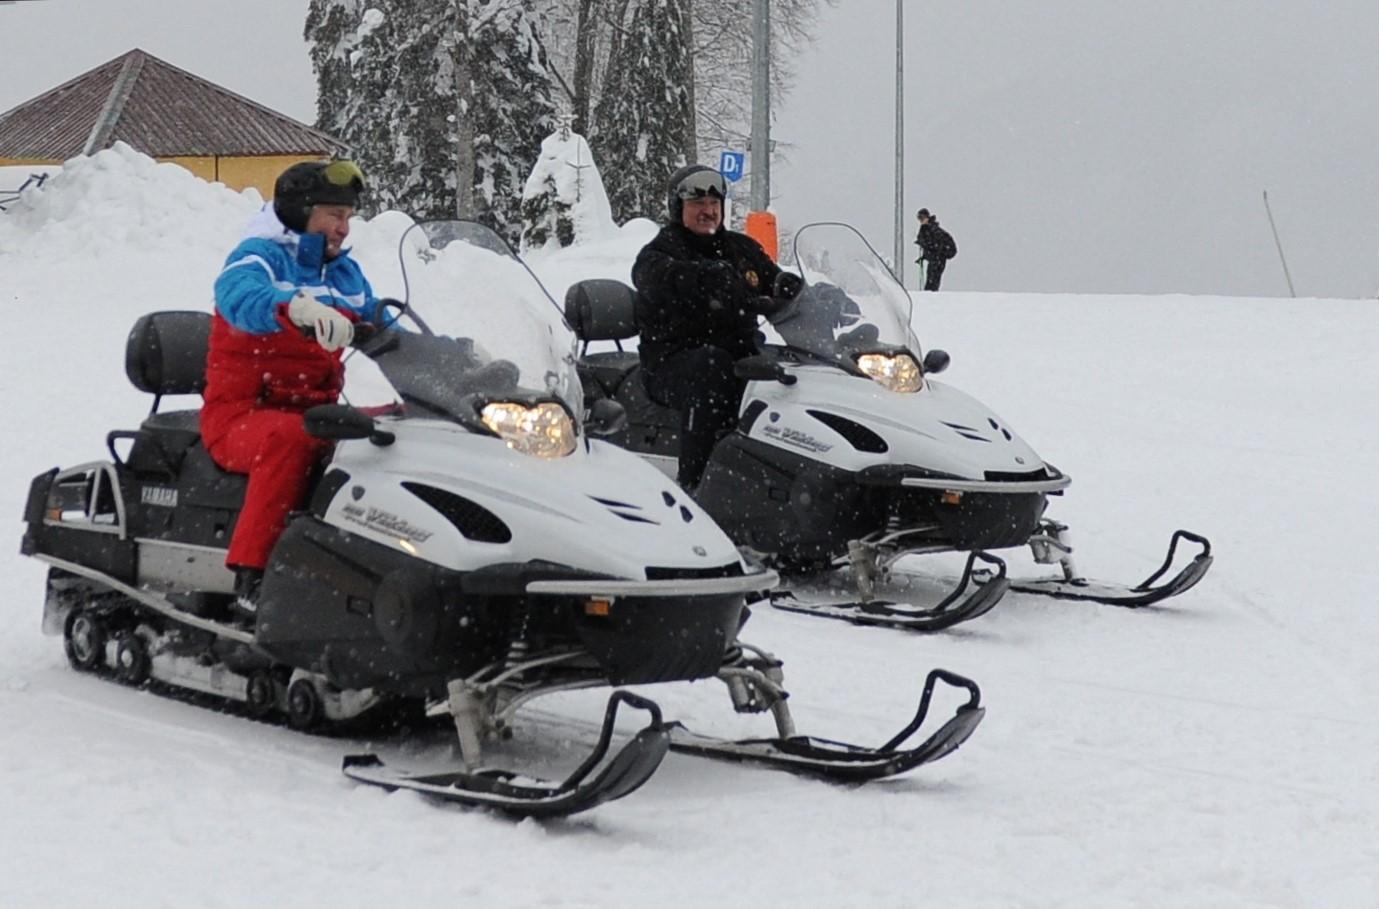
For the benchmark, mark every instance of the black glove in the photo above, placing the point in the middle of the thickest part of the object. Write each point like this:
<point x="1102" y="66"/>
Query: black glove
<point x="842" y="310"/>
<point x="787" y="285"/>
<point x="766" y="306"/>
<point x="494" y="376"/>
<point x="718" y="278"/>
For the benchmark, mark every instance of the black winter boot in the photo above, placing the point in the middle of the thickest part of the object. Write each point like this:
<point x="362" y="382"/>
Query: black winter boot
<point x="247" y="583"/>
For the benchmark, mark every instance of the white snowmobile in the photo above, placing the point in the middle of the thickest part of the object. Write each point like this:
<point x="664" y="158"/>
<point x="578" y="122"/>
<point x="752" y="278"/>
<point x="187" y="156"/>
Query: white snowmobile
<point x="469" y="550"/>
<point x="848" y="455"/>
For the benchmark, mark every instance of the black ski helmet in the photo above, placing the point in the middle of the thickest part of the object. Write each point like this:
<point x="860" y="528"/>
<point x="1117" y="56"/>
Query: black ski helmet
<point x="677" y="192"/>
<point x="311" y="183"/>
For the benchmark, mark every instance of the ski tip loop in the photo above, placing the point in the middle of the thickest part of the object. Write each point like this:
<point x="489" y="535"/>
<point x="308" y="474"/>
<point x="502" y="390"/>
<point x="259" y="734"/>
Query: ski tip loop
<point x="1178" y="536"/>
<point x="610" y="715"/>
<point x="974" y="697"/>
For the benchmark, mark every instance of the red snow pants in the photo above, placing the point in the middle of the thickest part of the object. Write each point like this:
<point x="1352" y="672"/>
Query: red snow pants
<point x="272" y="447"/>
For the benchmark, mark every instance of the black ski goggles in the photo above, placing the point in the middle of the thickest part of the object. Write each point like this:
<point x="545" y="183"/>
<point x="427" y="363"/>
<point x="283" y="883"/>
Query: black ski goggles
<point x="344" y="174"/>
<point x="702" y="183"/>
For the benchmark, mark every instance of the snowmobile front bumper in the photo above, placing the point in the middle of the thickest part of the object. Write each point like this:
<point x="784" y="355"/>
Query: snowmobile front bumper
<point x="1010" y="487"/>
<point x="755" y="582"/>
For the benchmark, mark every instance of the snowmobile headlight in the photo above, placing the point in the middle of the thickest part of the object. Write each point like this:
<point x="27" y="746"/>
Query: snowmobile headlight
<point x="544" y="430"/>
<point x="898" y="372"/>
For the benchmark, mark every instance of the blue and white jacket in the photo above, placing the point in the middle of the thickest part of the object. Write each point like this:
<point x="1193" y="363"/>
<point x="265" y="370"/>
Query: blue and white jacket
<point x="272" y="264"/>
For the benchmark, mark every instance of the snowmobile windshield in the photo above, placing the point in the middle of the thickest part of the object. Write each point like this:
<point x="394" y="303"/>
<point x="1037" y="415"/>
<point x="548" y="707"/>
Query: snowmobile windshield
<point x="851" y="303"/>
<point x="477" y="327"/>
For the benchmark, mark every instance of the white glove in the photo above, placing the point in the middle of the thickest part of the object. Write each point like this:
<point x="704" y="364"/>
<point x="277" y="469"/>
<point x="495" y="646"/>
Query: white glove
<point x="333" y="330"/>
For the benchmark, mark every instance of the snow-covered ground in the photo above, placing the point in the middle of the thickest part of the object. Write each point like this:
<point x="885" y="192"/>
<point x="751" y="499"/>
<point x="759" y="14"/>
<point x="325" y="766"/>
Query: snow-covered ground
<point x="1222" y="750"/>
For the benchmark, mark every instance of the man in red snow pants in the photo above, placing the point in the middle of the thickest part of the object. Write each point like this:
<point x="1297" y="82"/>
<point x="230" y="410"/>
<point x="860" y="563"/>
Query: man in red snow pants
<point x="264" y="369"/>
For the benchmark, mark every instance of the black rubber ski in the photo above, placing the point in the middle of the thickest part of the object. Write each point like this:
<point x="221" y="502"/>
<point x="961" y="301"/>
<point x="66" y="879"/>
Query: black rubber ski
<point x="513" y="794"/>
<point x="839" y="761"/>
<point x="947" y="613"/>
<point x="1142" y="594"/>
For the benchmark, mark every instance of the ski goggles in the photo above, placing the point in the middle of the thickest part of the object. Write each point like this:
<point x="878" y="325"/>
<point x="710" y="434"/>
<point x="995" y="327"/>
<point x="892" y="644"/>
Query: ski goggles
<point x="702" y="183"/>
<point x="344" y="174"/>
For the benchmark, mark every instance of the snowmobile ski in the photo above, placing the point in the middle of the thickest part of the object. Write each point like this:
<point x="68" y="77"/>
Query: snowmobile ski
<point x="1142" y="594"/>
<point x="838" y="761"/>
<point x="513" y="794"/>
<point x="990" y="586"/>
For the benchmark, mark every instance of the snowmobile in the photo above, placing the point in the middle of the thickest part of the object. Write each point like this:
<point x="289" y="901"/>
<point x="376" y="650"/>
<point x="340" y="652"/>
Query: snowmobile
<point x="848" y="455"/>
<point x="467" y="548"/>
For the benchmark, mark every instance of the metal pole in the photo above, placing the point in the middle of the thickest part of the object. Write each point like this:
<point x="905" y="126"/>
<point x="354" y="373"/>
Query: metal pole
<point x="761" y="106"/>
<point x="1287" y="277"/>
<point x="899" y="141"/>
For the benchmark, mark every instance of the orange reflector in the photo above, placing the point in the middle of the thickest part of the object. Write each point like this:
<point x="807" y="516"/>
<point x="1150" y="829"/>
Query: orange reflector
<point x="951" y="498"/>
<point x="597" y="607"/>
<point x="55" y="514"/>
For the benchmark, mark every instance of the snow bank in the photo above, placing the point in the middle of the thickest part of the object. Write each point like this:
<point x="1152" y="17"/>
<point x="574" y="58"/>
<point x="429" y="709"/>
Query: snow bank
<point x="120" y="198"/>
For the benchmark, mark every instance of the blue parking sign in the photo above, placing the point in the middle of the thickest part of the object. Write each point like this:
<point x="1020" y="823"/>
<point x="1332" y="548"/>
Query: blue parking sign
<point x="730" y="164"/>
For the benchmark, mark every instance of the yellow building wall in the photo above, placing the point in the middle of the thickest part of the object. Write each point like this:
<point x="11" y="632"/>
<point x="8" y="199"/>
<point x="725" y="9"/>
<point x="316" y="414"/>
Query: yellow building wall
<point x="260" y="171"/>
<point x="203" y="167"/>
<point x="237" y="173"/>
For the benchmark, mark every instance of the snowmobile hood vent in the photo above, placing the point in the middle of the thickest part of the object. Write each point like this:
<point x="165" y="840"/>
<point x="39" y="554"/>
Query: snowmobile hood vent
<point x="726" y="570"/>
<point x="858" y="436"/>
<point x="471" y="519"/>
<point x="624" y="510"/>
<point x="1018" y="476"/>
<point x="967" y="432"/>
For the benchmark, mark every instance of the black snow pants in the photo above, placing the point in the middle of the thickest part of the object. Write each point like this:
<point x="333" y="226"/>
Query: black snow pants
<point x="933" y="273"/>
<point x="700" y="384"/>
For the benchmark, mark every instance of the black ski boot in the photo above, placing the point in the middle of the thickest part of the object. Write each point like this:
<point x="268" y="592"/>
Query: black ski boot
<point x="246" y="604"/>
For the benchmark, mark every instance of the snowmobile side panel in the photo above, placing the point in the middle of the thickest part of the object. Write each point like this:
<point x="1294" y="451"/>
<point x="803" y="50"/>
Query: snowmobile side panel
<point x="103" y="555"/>
<point x="799" y="507"/>
<point x="367" y="615"/>
<point x="153" y="600"/>
<point x="623" y="773"/>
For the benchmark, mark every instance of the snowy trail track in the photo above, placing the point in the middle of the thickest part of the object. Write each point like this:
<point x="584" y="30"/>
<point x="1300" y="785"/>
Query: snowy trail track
<point x="1219" y="750"/>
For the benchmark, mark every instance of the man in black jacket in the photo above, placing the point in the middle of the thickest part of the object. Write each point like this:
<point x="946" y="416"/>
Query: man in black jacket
<point x="936" y="247"/>
<point x="701" y="289"/>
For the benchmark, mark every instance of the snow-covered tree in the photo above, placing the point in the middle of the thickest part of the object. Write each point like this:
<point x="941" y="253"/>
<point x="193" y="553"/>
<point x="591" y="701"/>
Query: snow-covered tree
<point x="584" y="35"/>
<point x="444" y="101"/>
<point x="645" y="117"/>
<point x="564" y="202"/>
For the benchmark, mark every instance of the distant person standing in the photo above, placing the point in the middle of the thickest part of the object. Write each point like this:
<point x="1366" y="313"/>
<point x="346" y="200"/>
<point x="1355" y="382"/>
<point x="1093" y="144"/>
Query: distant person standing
<point x="936" y="247"/>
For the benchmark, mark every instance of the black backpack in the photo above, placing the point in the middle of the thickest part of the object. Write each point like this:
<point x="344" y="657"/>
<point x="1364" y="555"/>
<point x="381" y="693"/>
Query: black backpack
<point x="948" y="247"/>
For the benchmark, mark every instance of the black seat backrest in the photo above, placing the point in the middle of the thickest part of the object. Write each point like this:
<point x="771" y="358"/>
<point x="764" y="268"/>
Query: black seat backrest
<point x="165" y="353"/>
<point x="601" y="309"/>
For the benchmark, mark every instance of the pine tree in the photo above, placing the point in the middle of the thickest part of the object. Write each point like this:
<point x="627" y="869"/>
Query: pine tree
<point x="645" y="118"/>
<point x="435" y="90"/>
<point x="514" y="112"/>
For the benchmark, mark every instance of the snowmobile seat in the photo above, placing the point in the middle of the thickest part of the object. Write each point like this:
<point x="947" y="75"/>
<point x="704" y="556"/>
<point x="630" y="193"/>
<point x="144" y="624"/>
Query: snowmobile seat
<point x="165" y="354"/>
<point x="604" y="310"/>
<point x="601" y="310"/>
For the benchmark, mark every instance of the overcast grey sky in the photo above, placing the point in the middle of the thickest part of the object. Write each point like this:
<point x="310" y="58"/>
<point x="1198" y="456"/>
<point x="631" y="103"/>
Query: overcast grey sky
<point x="1070" y="145"/>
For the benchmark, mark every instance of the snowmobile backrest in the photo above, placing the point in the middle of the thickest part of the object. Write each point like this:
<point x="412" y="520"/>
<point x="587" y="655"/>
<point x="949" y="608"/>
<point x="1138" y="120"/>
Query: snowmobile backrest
<point x="165" y="353"/>
<point x="601" y="309"/>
